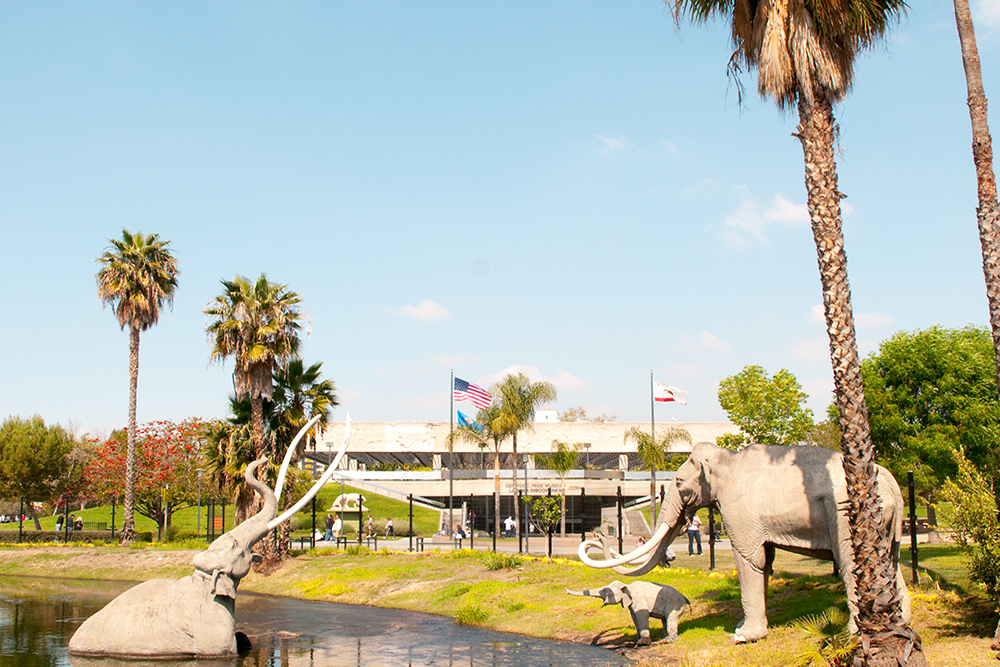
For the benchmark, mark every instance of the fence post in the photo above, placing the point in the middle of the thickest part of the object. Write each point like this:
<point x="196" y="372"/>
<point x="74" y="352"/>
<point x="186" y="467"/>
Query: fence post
<point x="411" y="521"/>
<point x="711" y="538"/>
<point x="494" y="522"/>
<point x="583" y="513"/>
<point x="550" y="528"/>
<point x="913" y="527"/>
<point x="520" y="533"/>
<point x="114" y="503"/>
<point x="312" y="533"/>
<point x="620" y="503"/>
<point x="66" y="520"/>
<point x="20" y="522"/>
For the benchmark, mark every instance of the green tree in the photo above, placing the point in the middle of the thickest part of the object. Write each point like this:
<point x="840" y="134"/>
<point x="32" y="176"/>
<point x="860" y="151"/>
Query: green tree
<point x="804" y="56"/>
<point x="563" y="458"/>
<point x="544" y="512"/>
<point x="988" y="212"/>
<point x="654" y="452"/>
<point x="299" y="394"/>
<point x="579" y="414"/>
<point x="932" y="400"/>
<point x="519" y="398"/>
<point x="258" y="325"/>
<point x="487" y="432"/>
<point x="768" y="410"/>
<point x="976" y="528"/>
<point x="34" y="460"/>
<point x="138" y="275"/>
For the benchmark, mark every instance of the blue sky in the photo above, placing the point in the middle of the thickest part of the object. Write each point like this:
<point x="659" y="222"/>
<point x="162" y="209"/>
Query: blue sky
<point x="569" y="189"/>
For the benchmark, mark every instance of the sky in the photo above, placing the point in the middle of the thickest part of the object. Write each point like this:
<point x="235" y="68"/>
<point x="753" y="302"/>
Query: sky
<point x="567" y="189"/>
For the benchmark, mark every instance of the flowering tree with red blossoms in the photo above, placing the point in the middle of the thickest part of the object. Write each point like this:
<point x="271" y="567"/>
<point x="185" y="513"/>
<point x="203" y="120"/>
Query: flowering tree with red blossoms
<point x="166" y="459"/>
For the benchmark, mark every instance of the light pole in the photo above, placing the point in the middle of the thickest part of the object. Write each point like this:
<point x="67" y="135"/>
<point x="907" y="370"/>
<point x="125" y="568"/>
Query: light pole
<point x="199" y="471"/>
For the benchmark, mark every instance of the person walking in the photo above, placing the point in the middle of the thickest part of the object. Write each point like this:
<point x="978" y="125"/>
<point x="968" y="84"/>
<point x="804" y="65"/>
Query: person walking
<point x="389" y="529"/>
<point x="693" y="529"/>
<point x="328" y="536"/>
<point x="370" y="526"/>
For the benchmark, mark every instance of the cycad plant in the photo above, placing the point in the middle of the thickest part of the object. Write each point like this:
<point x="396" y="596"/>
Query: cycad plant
<point x="830" y="642"/>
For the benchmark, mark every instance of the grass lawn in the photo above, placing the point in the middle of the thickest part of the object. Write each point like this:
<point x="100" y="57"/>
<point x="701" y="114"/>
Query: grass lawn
<point x="529" y="597"/>
<point x="425" y="521"/>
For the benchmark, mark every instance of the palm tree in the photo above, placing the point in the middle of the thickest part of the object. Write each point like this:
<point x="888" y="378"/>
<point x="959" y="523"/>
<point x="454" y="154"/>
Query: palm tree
<point x="488" y="433"/>
<point x="988" y="212"/>
<point x="563" y="458"/>
<point x="804" y="55"/>
<point x="519" y="398"/>
<point x="299" y="395"/>
<point x="258" y="325"/>
<point x="655" y="454"/>
<point x="138" y="275"/>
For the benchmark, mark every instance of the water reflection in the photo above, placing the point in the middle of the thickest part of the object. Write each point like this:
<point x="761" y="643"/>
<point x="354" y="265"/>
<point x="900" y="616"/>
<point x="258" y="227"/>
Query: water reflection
<point x="38" y="616"/>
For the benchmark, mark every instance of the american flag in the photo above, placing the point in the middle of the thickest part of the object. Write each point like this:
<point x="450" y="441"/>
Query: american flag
<point x="466" y="391"/>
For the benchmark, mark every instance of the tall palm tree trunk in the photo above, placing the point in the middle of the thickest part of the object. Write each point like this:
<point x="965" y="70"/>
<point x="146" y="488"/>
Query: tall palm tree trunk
<point x="496" y="493"/>
<point x="128" y="520"/>
<point x="884" y="633"/>
<point x="517" y="505"/>
<point x="988" y="212"/>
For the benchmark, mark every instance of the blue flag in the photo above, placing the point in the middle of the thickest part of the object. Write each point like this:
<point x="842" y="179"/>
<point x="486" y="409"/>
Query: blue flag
<point x="463" y="420"/>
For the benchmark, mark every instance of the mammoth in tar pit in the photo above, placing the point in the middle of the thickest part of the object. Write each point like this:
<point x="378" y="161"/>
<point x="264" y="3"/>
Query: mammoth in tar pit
<point x="193" y="617"/>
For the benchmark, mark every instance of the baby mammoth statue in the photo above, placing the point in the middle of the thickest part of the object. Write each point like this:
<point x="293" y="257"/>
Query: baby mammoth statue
<point x="644" y="599"/>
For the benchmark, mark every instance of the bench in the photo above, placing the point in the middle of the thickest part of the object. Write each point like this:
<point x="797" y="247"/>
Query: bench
<point x="95" y="525"/>
<point x="922" y="526"/>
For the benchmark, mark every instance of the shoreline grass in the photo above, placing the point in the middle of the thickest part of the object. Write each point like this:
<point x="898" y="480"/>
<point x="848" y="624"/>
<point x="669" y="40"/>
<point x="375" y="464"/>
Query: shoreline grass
<point x="527" y="596"/>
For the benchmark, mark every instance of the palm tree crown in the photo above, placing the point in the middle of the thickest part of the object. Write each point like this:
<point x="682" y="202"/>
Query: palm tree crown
<point x="798" y="49"/>
<point x="258" y="325"/>
<point x="138" y="275"/>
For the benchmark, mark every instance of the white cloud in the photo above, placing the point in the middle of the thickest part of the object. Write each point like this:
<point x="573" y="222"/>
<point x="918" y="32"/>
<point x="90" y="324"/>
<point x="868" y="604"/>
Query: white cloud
<point x="814" y="349"/>
<point x="747" y="223"/>
<point x="561" y="380"/>
<point x="710" y="342"/>
<point x="670" y="148"/>
<point x="987" y="13"/>
<point x="450" y="360"/>
<point x="873" y="320"/>
<point x="428" y="311"/>
<point x="612" y="145"/>
<point x="867" y="320"/>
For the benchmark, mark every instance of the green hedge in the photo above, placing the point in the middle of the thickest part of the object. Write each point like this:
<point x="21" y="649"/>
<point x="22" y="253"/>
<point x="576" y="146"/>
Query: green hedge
<point x="36" y="536"/>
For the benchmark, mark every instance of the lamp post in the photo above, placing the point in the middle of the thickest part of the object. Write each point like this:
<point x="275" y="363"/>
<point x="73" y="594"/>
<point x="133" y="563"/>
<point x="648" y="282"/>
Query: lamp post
<point x="199" y="471"/>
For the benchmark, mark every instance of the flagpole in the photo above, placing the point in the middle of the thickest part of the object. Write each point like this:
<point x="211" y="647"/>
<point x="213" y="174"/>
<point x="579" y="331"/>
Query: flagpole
<point x="451" y="453"/>
<point x="652" y="432"/>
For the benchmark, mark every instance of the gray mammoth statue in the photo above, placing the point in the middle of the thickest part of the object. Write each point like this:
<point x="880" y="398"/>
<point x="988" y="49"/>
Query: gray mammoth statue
<point x="193" y="616"/>
<point x="791" y="498"/>
<point x="644" y="599"/>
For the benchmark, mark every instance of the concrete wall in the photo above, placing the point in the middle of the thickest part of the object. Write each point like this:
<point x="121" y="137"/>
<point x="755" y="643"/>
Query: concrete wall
<point x="432" y="436"/>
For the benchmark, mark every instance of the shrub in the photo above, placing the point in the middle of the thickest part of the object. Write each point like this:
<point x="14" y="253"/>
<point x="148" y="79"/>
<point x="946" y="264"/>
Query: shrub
<point x="471" y="613"/>
<point x="495" y="561"/>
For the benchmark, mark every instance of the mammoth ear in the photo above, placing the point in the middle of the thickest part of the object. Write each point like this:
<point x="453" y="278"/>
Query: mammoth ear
<point x="224" y="586"/>
<point x="626" y="597"/>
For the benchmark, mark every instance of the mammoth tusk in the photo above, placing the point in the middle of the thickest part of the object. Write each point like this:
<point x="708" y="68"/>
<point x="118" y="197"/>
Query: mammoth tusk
<point x="319" y="484"/>
<point x="280" y="486"/>
<point x="628" y="558"/>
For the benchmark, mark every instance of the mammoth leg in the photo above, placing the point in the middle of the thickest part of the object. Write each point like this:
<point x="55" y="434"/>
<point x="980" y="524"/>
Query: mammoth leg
<point x="753" y="588"/>
<point x="640" y="617"/>
<point x="670" y="625"/>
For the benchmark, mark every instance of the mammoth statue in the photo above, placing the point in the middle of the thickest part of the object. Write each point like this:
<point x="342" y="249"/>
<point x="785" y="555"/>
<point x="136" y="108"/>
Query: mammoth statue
<point x="193" y="617"/>
<point x="644" y="600"/>
<point x="770" y="497"/>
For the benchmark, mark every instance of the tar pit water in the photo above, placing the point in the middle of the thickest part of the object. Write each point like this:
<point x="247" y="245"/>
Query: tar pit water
<point x="38" y="616"/>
